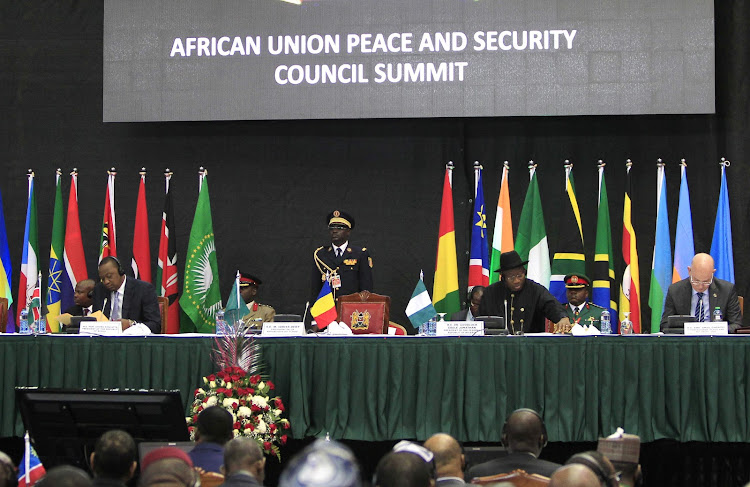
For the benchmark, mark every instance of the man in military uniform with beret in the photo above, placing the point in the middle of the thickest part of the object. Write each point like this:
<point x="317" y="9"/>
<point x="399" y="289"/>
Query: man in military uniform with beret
<point x="257" y="313"/>
<point x="346" y="266"/>
<point x="580" y="310"/>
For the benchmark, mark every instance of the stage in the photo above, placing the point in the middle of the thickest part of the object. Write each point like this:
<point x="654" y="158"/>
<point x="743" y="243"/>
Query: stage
<point x="387" y="388"/>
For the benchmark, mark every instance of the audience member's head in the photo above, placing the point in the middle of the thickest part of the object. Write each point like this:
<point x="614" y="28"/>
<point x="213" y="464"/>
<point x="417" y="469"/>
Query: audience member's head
<point x="8" y="473"/>
<point x="407" y="465"/>
<point x="244" y="455"/>
<point x="574" y="476"/>
<point x="65" y="476"/>
<point x="599" y="465"/>
<point x="167" y="467"/>
<point x="114" y="456"/>
<point x="449" y="458"/>
<point x="322" y="464"/>
<point x="524" y="432"/>
<point x="214" y="425"/>
<point x="623" y="450"/>
<point x="474" y="298"/>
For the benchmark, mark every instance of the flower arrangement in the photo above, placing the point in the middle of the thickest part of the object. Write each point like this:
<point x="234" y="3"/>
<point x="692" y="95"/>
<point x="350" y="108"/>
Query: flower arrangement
<point x="248" y="398"/>
<point x="240" y="389"/>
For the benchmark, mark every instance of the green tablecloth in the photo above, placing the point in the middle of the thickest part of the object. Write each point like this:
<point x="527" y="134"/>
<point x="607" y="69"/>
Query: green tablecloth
<point x="688" y="389"/>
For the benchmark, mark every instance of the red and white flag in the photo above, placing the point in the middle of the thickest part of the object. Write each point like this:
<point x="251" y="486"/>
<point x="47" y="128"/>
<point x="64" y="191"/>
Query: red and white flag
<point x="141" y="250"/>
<point x="75" y="261"/>
<point x="108" y="244"/>
<point x="166" y="272"/>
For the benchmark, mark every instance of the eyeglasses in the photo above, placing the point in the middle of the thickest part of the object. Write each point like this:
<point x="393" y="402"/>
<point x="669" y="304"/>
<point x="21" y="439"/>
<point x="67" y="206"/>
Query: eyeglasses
<point x="514" y="277"/>
<point x="701" y="283"/>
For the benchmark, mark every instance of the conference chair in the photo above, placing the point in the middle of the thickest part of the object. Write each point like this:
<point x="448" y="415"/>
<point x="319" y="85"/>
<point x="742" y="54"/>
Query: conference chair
<point x="517" y="478"/>
<point x="396" y="329"/>
<point x="211" y="479"/>
<point x="365" y="312"/>
<point x="3" y="314"/>
<point x="287" y="318"/>
<point x="164" y="312"/>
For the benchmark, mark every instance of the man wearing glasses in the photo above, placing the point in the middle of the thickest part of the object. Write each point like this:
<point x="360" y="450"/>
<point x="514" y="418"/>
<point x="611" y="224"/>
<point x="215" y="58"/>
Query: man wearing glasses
<point x="701" y="293"/>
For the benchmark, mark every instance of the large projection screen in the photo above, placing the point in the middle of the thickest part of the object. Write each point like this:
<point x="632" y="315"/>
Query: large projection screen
<point x="175" y="60"/>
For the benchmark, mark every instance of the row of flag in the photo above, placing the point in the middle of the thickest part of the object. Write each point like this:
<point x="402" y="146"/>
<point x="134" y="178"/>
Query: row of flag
<point x="531" y="244"/>
<point x="67" y="263"/>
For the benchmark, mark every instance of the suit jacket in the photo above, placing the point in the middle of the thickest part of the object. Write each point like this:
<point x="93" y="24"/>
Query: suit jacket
<point x="138" y="303"/>
<point x="241" y="479"/>
<point x="75" y="310"/>
<point x="208" y="456"/>
<point x="354" y="267"/>
<point x="527" y="308"/>
<point x="510" y="462"/>
<point x="720" y="294"/>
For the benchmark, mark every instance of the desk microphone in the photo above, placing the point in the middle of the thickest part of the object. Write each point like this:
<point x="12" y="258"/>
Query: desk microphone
<point x="304" y="315"/>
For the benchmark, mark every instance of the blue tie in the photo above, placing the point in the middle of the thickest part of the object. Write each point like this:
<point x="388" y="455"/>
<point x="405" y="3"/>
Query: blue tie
<point x="699" y="307"/>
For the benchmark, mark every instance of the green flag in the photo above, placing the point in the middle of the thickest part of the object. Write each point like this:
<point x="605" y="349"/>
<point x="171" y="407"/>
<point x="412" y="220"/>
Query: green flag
<point x="236" y="307"/>
<point x="54" y="295"/>
<point x="201" y="297"/>
<point x="603" y="290"/>
<point x="531" y="238"/>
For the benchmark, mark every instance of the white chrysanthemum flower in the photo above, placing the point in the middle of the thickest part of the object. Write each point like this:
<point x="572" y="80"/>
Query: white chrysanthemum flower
<point x="260" y="401"/>
<point x="229" y="402"/>
<point x="261" y="427"/>
<point x="244" y="412"/>
<point x="211" y="401"/>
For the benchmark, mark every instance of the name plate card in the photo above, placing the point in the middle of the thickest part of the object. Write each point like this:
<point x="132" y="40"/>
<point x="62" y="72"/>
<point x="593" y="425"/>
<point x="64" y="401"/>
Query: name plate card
<point x="283" y="329"/>
<point x="460" y="328"/>
<point x="100" y="328"/>
<point x="707" y="328"/>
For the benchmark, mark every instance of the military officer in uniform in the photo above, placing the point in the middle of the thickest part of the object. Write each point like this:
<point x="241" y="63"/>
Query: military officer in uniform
<point x="580" y="310"/>
<point x="346" y="266"/>
<point x="257" y="313"/>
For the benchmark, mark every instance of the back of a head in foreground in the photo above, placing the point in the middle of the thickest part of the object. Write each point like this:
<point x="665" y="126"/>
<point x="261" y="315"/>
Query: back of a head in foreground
<point x="215" y="425"/>
<point x="243" y="453"/>
<point x="524" y="432"/>
<point x="322" y="464"/>
<point x="403" y="469"/>
<point x="114" y="455"/>
<point x="65" y="476"/>
<point x="7" y="471"/>
<point x="167" y="467"/>
<point x="575" y="475"/>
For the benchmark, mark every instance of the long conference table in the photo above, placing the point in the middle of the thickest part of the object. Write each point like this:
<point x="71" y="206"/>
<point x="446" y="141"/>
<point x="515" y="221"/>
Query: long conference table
<point x="387" y="388"/>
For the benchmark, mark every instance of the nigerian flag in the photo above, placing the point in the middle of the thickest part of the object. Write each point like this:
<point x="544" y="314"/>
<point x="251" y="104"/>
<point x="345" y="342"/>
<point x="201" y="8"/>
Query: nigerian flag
<point x="531" y="238"/>
<point x="201" y="297"/>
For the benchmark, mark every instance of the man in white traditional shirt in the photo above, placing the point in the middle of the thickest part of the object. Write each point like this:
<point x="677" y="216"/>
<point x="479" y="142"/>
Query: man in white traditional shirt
<point x="126" y="299"/>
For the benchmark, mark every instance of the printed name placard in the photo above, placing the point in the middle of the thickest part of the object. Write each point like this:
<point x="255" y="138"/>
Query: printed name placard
<point x="709" y="328"/>
<point x="460" y="328"/>
<point x="100" y="328"/>
<point x="283" y="329"/>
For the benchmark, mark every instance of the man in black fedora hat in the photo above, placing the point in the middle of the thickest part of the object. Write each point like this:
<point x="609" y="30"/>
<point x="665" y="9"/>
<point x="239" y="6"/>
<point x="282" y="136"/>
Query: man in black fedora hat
<point x="524" y="303"/>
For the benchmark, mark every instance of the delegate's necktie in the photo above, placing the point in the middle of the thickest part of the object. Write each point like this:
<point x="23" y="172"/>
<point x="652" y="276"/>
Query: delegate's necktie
<point x="338" y="253"/>
<point x="115" y="314"/>
<point x="85" y="311"/>
<point x="699" y="307"/>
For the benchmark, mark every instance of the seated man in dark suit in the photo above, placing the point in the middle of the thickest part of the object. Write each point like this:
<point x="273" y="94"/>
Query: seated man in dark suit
<point x="701" y="293"/>
<point x="449" y="460"/>
<point x="83" y="298"/>
<point x="126" y="299"/>
<point x="472" y="311"/>
<point x="244" y="463"/>
<point x="524" y="435"/>
<point x="214" y="430"/>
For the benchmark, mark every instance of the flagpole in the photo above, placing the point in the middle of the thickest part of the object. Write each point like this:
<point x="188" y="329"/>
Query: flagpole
<point x="237" y="284"/>
<point x="26" y="457"/>
<point x="201" y="174"/>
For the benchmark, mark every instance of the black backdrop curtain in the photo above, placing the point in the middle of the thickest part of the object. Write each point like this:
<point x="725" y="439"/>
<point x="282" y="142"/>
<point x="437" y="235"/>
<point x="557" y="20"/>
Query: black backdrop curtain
<point x="272" y="183"/>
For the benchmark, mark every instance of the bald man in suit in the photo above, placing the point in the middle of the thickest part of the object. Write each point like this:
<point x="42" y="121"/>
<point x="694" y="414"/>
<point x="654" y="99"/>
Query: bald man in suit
<point x="700" y="293"/>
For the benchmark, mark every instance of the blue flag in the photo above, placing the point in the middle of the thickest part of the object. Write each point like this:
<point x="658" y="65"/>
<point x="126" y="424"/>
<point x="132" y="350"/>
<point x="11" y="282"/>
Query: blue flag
<point x="5" y="271"/>
<point x="684" y="248"/>
<point x="479" y="260"/>
<point x="721" y="245"/>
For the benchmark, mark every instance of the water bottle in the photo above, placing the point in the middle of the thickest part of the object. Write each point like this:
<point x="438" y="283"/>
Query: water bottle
<point x="626" y="326"/>
<point x="432" y="327"/>
<point x="23" y="322"/>
<point x="42" y="324"/>
<point x="605" y="323"/>
<point x="717" y="314"/>
<point x="221" y="324"/>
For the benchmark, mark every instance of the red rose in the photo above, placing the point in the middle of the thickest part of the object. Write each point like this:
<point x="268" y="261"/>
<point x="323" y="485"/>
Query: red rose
<point x="254" y="408"/>
<point x="270" y="385"/>
<point x="242" y="402"/>
<point x="272" y="427"/>
<point x="254" y="379"/>
<point x="237" y="425"/>
<point x="251" y="426"/>
<point x="229" y="392"/>
<point x="235" y="406"/>
<point x="283" y="439"/>
<point x="191" y="429"/>
<point x="279" y="404"/>
<point x="211" y="377"/>
<point x="267" y="445"/>
<point x="286" y="426"/>
<point x="205" y="399"/>
<point x="251" y="391"/>
<point x="195" y="418"/>
<point x="235" y="377"/>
